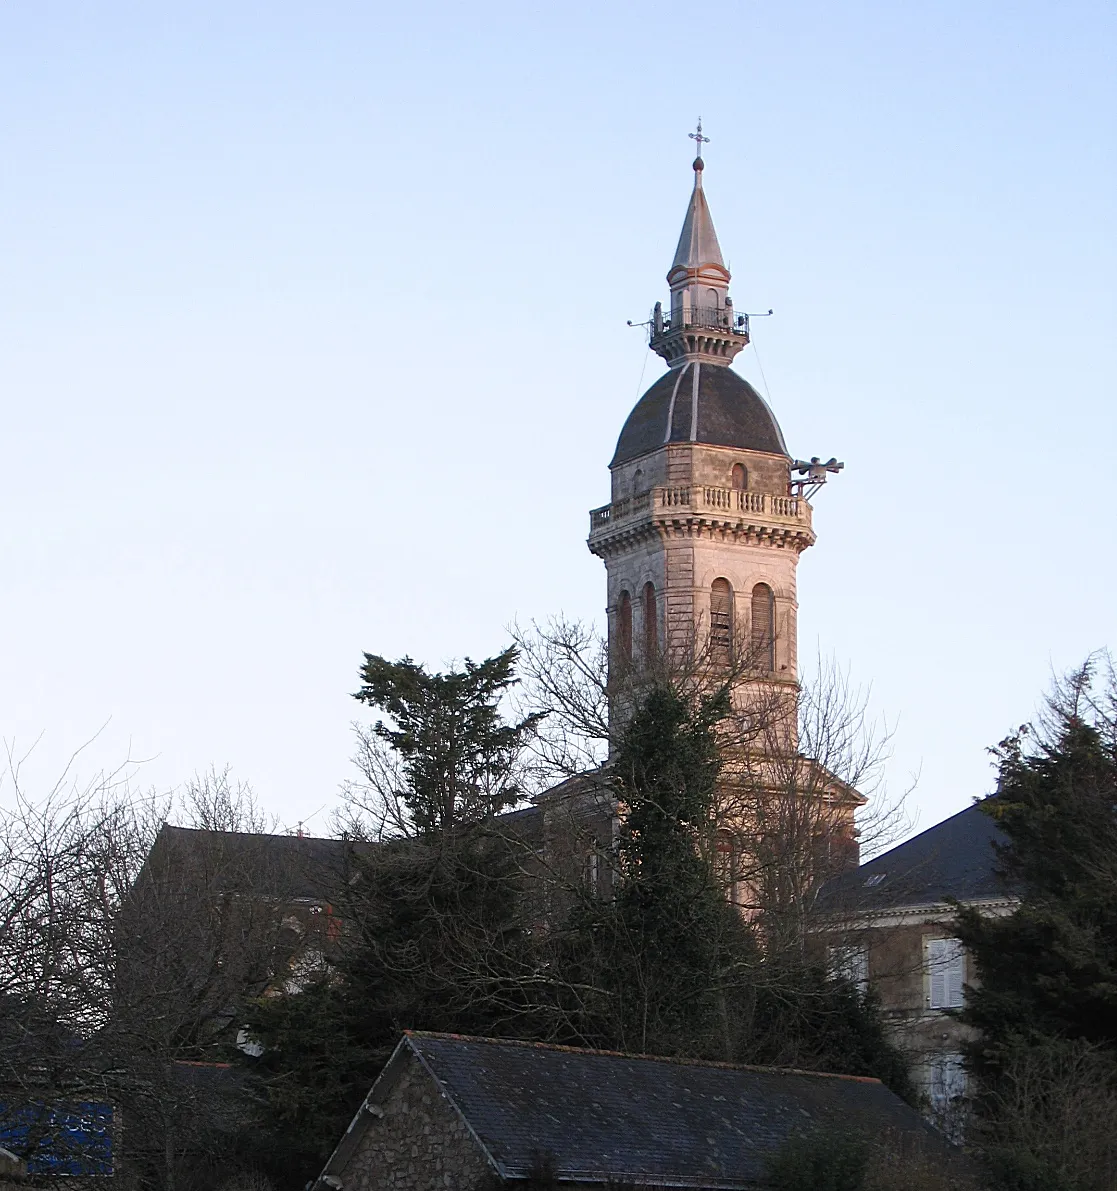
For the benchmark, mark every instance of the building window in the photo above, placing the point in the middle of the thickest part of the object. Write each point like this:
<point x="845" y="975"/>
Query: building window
<point x="638" y="482"/>
<point x="727" y="864"/>
<point x="624" y="626"/>
<point x="762" y="643"/>
<point x="945" y="967"/>
<point x="721" y="621"/>
<point x="945" y="1078"/>
<point x="591" y="872"/>
<point x="740" y="478"/>
<point x="849" y="962"/>
<point x="651" y="623"/>
<point x="945" y="1086"/>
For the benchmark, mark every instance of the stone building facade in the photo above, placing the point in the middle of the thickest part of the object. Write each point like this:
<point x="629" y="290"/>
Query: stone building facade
<point x="419" y="1142"/>
<point x="889" y="928"/>
<point x="703" y="532"/>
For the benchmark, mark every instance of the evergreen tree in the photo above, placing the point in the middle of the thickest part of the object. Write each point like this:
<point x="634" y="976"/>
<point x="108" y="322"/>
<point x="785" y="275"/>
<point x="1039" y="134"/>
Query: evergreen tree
<point x="1049" y="970"/>
<point x="432" y="934"/>
<point x="666" y="949"/>
<point x="1046" y="999"/>
<point x="457" y="757"/>
<point x="677" y="968"/>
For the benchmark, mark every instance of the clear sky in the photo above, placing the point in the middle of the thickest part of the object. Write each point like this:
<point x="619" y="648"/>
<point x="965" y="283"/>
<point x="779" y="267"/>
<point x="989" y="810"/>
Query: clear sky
<point x="312" y="342"/>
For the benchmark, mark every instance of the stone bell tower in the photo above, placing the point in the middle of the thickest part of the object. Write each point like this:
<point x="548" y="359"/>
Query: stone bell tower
<point x="702" y="535"/>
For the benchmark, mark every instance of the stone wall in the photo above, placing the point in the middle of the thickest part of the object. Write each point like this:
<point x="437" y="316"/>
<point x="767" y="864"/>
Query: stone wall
<point x="420" y="1144"/>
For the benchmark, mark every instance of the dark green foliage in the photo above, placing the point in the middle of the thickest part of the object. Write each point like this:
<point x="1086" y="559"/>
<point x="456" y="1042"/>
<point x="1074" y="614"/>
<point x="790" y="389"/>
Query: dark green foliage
<point x="663" y="952"/>
<point x="438" y="936"/>
<point x="676" y="968"/>
<point x="804" y="1019"/>
<point x="823" y="1160"/>
<point x="1050" y="968"/>
<point x="432" y="934"/>
<point x="1046" y="1003"/>
<point x="458" y="755"/>
<point x="315" y="1069"/>
<point x="433" y="943"/>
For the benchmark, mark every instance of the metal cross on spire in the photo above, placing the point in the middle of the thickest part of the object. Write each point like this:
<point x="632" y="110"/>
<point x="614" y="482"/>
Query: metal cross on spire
<point x="697" y="136"/>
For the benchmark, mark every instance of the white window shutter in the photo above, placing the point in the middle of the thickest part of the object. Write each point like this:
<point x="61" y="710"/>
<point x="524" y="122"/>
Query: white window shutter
<point x="936" y="973"/>
<point x="955" y="974"/>
<point x="946" y="966"/>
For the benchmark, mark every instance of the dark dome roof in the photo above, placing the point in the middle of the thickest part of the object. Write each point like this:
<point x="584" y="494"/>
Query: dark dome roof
<point x="721" y="409"/>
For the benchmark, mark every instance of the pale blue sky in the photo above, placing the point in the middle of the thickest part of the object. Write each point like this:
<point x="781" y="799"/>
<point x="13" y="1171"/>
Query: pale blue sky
<point x="312" y="341"/>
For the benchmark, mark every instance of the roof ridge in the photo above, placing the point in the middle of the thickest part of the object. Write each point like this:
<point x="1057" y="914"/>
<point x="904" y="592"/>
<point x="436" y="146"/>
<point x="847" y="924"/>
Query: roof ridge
<point x="324" y="839"/>
<point x="678" y="1061"/>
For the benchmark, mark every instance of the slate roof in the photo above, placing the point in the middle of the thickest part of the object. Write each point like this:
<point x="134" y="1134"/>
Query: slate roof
<point x="723" y="410"/>
<point x="698" y="242"/>
<point x="290" y="866"/>
<point x="955" y="858"/>
<point x="601" y="1115"/>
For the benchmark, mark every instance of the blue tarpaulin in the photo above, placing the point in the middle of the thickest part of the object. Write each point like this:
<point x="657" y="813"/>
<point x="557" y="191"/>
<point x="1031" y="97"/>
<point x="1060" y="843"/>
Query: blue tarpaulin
<point x="73" y="1138"/>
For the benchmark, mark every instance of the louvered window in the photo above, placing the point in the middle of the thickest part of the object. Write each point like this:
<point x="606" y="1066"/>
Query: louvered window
<point x="740" y="480"/>
<point x="945" y="965"/>
<point x="651" y="623"/>
<point x="624" y="626"/>
<point x="762" y="634"/>
<point x="721" y="621"/>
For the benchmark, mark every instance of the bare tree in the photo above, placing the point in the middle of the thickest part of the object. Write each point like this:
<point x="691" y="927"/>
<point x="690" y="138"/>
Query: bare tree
<point x="801" y="790"/>
<point x="1052" y="1116"/>
<point x="124" y="954"/>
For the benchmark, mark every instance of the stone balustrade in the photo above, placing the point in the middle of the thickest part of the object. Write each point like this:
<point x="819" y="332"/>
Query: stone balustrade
<point x="700" y="499"/>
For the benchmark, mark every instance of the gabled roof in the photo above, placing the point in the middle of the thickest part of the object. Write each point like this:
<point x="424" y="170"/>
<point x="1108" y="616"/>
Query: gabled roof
<point x="291" y="867"/>
<point x="600" y="1115"/>
<point x="953" y="859"/>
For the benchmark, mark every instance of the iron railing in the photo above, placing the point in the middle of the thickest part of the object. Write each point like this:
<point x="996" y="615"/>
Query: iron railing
<point x="712" y="318"/>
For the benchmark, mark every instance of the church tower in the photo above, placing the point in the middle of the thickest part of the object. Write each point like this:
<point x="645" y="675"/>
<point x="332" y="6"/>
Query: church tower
<point x="702" y="535"/>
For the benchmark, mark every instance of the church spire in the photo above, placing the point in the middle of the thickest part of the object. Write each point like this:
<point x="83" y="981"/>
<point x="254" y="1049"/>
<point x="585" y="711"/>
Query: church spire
<point x="702" y="324"/>
<point x="698" y="244"/>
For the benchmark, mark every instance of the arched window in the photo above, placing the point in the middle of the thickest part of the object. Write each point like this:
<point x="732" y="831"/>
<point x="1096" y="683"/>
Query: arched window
<point x="740" y="479"/>
<point x="624" y="626"/>
<point x="638" y="482"/>
<point x="762" y="630"/>
<point x="651" y="623"/>
<point x="721" y="621"/>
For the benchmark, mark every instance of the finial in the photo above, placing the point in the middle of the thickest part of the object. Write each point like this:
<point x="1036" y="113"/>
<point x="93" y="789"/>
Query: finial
<point x="701" y="140"/>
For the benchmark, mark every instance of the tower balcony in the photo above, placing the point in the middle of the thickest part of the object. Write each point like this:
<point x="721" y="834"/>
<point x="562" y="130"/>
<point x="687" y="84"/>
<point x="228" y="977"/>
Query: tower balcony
<point x="698" y="510"/>
<point x="714" y="333"/>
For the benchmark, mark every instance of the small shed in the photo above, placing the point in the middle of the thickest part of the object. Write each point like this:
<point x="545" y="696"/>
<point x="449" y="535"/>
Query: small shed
<point x="475" y="1113"/>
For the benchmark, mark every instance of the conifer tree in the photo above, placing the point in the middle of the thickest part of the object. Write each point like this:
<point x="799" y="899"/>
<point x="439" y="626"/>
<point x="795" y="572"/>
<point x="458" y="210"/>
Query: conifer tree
<point x="432" y="925"/>
<point x="677" y="968"/>
<point x="667" y="947"/>
<point x="1045" y="1002"/>
<point x="1050" y="968"/>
